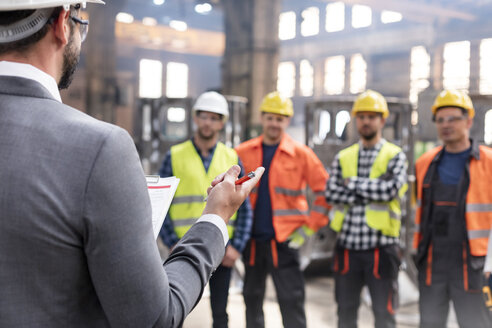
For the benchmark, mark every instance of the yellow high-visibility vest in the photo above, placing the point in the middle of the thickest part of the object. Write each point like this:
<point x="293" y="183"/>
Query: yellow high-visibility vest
<point x="382" y="216"/>
<point x="188" y="204"/>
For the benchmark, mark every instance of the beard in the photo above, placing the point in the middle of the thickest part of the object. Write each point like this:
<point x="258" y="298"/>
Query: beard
<point x="71" y="58"/>
<point x="205" y="136"/>
<point x="369" y="135"/>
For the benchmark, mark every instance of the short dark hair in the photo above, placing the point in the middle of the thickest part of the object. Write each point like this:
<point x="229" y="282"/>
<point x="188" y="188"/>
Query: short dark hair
<point x="10" y="17"/>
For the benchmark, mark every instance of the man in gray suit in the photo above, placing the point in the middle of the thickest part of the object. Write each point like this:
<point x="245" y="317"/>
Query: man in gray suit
<point x="76" y="241"/>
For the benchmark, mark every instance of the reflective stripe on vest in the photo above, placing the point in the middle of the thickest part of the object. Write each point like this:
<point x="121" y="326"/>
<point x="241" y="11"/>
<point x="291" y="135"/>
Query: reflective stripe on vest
<point x="289" y="192"/>
<point x="299" y="236"/>
<point x="188" y="204"/>
<point x="382" y="216"/>
<point x="293" y="211"/>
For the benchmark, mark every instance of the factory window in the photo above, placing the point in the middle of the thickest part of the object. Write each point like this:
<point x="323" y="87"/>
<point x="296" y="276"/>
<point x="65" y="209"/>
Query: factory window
<point x="456" y="69"/>
<point x="419" y="72"/>
<point x="341" y="122"/>
<point x="177" y="80"/>
<point x="176" y="114"/>
<point x="361" y="16"/>
<point x="388" y="16"/>
<point x="485" y="86"/>
<point x="324" y="123"/>
<point x="335" y="17"/>
<point x="150" y="79"/>
<point x="334" y="75"/>
<point x="287" y="26"/>
<point x="310" y="21"/>
<point x="488" y="127"/>
<point x="306" y="78"/>
<point x="358" y="73"/>
<point x="286" y="82"/>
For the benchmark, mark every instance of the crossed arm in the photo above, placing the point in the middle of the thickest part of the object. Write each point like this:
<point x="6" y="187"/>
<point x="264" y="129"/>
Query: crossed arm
<point x="359" y="190"/>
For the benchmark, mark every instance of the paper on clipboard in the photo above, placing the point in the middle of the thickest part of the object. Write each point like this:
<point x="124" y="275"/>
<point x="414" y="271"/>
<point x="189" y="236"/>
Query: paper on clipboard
<point x="161" y="193"/>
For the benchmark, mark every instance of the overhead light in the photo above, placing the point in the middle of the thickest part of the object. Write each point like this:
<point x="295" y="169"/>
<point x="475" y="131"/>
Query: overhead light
<point x="159" y="2"/>
<point x="203" y="8"/>
<point x="149" y="21"/>
<point x="124" y="18"/>
<point x="178" y="25"/>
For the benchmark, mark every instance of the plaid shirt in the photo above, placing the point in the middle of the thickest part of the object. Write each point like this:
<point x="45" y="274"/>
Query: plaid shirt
<point x="361" y="190"/>
<point x="244" y="219"/>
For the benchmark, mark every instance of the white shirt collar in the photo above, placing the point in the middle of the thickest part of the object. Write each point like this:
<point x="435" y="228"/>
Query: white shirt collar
<point x="30" y="72"/>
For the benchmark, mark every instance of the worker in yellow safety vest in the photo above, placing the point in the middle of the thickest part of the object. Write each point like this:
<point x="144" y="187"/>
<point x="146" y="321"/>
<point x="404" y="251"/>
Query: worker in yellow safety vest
<point x="367" y="181"/>
<point x="196" y="163"/>
<point x="453" y="217"/>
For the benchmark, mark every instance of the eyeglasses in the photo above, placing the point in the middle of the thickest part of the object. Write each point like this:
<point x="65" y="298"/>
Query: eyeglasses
<point x="214" y="119"/>
<point x="449" y="119"/>
<point x="83" y="27"/>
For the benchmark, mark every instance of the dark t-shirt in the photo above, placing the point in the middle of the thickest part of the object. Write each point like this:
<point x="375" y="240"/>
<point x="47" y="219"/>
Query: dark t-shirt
<point x="262" y="222"/>
<point x="452" y="165"/>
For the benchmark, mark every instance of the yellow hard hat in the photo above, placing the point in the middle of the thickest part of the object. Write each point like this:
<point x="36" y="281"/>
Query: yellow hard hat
<point x="276" y="104"/>
<point x="453" y="98"/>
<point x="370" y="101"/>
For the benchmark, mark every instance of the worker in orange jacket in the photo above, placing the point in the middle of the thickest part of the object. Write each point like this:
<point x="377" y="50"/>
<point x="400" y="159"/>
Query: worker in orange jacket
<point x="453" y="218"/>
<point x="281" y="219"/>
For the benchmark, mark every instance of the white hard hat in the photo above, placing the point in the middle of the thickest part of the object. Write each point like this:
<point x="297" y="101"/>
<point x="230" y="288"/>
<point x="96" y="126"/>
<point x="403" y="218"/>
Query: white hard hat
<point x="43" y="9"/>
<point x="10" y="5"/>
<point x="214" y="102"/>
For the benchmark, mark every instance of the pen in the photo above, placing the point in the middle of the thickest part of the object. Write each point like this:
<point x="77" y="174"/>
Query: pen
<point x="247" y="177"/>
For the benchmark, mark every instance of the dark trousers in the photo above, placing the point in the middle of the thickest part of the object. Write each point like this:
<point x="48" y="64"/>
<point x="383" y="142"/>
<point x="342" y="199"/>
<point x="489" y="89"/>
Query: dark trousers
<point x="441" y="280"/>
<point x="378" y="269"/>
<point x="219" y="292"/>
<point x="282" y="262"/>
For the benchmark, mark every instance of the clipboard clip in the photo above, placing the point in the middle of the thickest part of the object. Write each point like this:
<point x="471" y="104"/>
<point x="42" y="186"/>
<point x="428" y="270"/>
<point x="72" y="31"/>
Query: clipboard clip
<point x="152" y="178"/>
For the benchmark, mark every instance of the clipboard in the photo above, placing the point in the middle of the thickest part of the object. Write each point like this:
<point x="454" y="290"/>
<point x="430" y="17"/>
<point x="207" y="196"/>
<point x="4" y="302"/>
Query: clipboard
<point x="161" y="193"/>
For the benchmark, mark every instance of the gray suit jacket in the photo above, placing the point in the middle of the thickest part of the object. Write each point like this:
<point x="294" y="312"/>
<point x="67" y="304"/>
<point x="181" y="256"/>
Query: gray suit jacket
<point x="76" y="241"/>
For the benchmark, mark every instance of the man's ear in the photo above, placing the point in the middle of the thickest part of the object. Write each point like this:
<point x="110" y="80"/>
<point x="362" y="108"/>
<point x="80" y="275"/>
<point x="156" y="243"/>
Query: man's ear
<point x="469" y="122"/>
<point x="62" y="27"/>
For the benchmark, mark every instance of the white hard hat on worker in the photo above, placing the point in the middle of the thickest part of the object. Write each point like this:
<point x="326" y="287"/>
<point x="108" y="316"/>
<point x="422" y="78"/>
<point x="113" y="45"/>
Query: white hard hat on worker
<point x="213" y="102"/>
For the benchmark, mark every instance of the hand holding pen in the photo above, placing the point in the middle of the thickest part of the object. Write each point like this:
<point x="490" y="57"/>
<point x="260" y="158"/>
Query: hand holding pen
<point x="226" y="194"/>
<point x="248" y="176"/>
<point x="240" y="181"/>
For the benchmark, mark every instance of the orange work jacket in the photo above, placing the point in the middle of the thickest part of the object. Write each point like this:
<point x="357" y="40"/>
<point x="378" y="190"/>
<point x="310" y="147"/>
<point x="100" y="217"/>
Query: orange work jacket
<point x="293" y="166"/>
<point x="478" y="215"/>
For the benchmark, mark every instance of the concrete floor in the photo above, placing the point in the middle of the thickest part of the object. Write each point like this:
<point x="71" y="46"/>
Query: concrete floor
<point x="320" y="303"/>
<point x="320" y="309"/>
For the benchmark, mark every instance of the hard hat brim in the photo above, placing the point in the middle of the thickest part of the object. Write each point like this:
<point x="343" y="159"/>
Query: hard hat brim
<point x="470" y="111"/>
<point x="15" y="5"/>
<point x="383" y="112"/>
